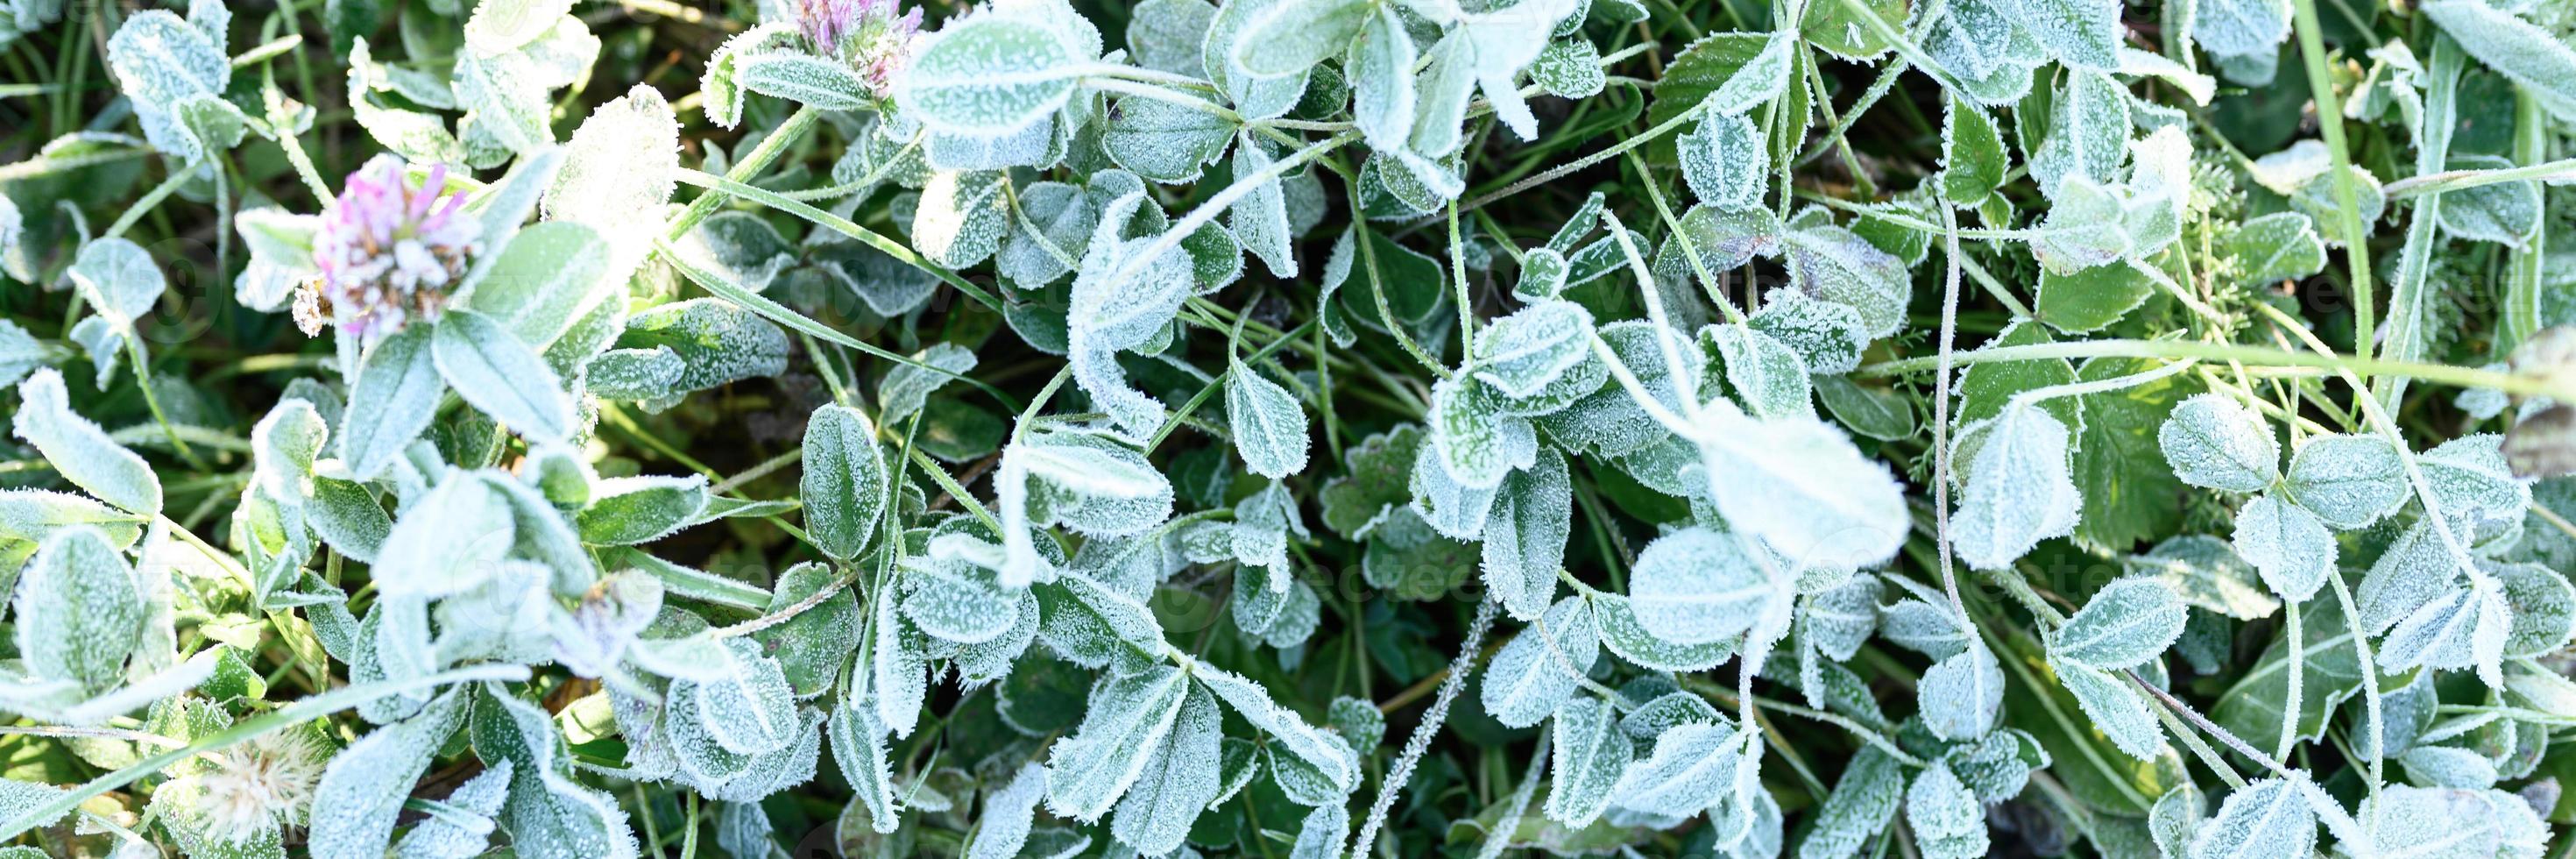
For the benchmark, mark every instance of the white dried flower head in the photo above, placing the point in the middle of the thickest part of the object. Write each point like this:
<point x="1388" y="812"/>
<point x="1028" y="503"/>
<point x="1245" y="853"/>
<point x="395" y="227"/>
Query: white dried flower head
<point x="250" y="785"/>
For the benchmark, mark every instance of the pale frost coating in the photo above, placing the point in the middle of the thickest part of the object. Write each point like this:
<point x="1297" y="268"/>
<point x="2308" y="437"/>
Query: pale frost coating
<point x="2452" y="821"/>
<point x="1980" y="40"/>
<point x="1003" y="827"/>
<point x="2083" y="228"/>
<point x="2115" y="709"/>
<point x="1832" y="264"/>
<point x="79" y="450"/>
<point x="751" y="710"/>
<point x="1127" y="717"/>
<point x="1288" y="38"/>
<point x="1864" y="799"/>
<point x="2019" y="491"/>
<point x="1382" y="95"/>
<point x="2083" y="34"/>
<point x="1724" y="161"/>
<point x="2213" y="441"/>
<point x="844" y="481"/>
<point x="1623" y="635"/>
<point x="1534" y="673"/>
<point x="1109" y="315"/>
<point x="2127" y="622"/>
<point x="954" y="597"/>
<point x="2476" y="489"/>
<point x="1525" y="535"/>
<point x="1474" y="444"/>
<point x="1963" y="693"/>
<point x="1755" y="513"/>
<point x="907" y="386"/>
<point x="1328" y="755"/>
<point x="78" y="611"/>
<point x="1181" y="780"/>
<point x="1165" y="34"/>
<point x="1945" y="815"/>
<point x="1589" y="756"/>
<point x="1521" y="354"/>
<point x="896" y="676"/>
<point x="1918" y="625"/>
<point x="1766" y="376"/>
<point x="502" y="376"/>
<point x="988" y="75"/>
<point x="173" y="69"/>
<point x="1692" y="767"/>
<point x="963" y="216"/>
<point x="2289" y="545"/>
<point x="1093" y="485"/>
<point x="444" y="838"/>
<point x="2263" y="818"/>
<point x="2540" y="62"/>
<point x="119" y="280"/>
<point x="618" y="172"/>
<point x="2238" y="28"/>
<point x="1569" y="68"/>
<point x="1260" y="220"/>
<point x="1760" y="80"/>
<point x="1838" y="620"/>
<point x="2461" y="628"/>
<point x="716" y="341"/>
<point x="1826" y="336"/>
<point x="13" y="236"/>
<point x="2088" y="138"/>
<point x="1697" y="586"/>
<point x="2348" y="481"/>
<point x="1800" y="487"/>
<point x="1165" y="142"/>
<point x="363" y="788"/>
<point x="1269" y="426"/>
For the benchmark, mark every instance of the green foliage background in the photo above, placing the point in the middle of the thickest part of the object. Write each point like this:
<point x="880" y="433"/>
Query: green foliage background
<point x="1871" y="184"/>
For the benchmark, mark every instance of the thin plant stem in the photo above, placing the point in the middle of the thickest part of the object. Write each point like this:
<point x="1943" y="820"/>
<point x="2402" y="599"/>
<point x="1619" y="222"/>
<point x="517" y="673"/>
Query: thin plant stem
<point x="2312" y="52"/>
<point x="760" y="157"/>
<point x="1393" y="784"/>
<point x="2252" y="356"/>
<point x="1944" y="359"/>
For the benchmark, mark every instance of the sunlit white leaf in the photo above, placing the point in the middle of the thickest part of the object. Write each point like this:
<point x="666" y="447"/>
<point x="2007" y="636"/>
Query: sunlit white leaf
<point x="1534" y="673"/>
<point x="2212" y="440"/>
<point x="1962" y="694"/>
<point x="79" y="450"/>
<point x="1128" y="718"/>
<point x="988" y="75"/>
<point x="1945" y="815"/>
<point x="2288" y="544"/>
<point x="1697" y="586"/>
<point x="1590" y="756"/>
<point x="2263" y="818"/>
<point x="2127" y="622"/>
<point x="2020" y="489"/>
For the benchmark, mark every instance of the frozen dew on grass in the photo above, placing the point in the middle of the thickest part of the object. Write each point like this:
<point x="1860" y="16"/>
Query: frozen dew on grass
<point x="860" y="428"/>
